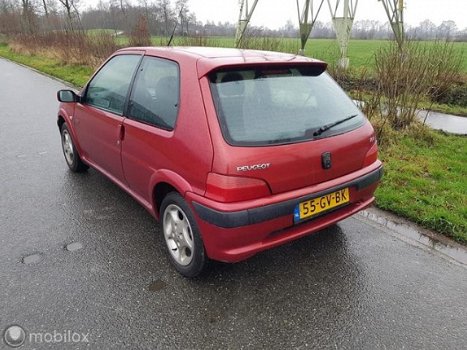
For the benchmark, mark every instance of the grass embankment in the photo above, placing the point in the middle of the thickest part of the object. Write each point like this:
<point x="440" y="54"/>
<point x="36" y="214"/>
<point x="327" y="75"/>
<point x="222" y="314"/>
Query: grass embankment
<point x="426" y="182"/>
<point x="425" y="178"/>
<point x="445" y="108"/>
<point x="76" y="75"/>
<point x="457" y="110"/>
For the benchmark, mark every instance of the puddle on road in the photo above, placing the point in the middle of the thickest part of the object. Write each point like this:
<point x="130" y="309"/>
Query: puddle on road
<point x="73" y="246"/>
<point x="31" y="259"/>
<point x="157" y="285"/>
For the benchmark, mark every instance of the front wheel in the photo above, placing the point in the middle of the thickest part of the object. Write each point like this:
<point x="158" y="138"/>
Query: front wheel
<point x="72" y="158"/>
<point x="181" y="234"/>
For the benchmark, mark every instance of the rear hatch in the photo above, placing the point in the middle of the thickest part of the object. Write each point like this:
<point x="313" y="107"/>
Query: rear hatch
<point x="293" y="166"/>
<point x="289" y="126"/>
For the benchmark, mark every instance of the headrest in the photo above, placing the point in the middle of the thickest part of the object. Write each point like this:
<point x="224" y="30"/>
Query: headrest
<point x="232" y="84"/>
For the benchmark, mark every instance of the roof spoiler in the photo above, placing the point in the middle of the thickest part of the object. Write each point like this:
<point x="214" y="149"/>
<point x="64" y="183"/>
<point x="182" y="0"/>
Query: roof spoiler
<point x="206" y="67"/>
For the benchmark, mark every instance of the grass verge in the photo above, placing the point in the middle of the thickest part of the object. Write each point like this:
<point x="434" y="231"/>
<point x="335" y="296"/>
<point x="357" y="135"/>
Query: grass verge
<point x="424" y="105"/>
<point x="426" y="182"/>
<point x="425" y="178"/>
<point x="76" y="75"/>
<point x="445" y="108"/>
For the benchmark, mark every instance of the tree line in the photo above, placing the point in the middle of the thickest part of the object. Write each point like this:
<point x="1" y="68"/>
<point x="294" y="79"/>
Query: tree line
<point x="166" y="17"/>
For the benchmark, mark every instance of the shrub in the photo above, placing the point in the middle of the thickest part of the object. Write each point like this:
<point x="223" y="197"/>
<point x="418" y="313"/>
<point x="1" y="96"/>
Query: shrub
<point x="256" y="40"/>
<point x="100" y="46"/>
<point x="406" y="76"/>
<point x="445" y="64"/>
<point x="140" y="35"/>
<point x="69" y="47"/>
<point x="197" y="40"/>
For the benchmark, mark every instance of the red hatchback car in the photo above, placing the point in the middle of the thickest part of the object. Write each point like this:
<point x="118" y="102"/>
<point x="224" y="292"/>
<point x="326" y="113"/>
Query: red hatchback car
<point x="234" y="151"/>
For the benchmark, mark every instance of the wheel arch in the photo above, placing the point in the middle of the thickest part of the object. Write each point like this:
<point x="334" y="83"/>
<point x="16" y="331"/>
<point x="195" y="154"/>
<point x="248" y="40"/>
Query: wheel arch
<point x="60" y="122"/>
<point x="64" y="117"/>
<point x="164" y="182"/>
<point x="160" y="191"/>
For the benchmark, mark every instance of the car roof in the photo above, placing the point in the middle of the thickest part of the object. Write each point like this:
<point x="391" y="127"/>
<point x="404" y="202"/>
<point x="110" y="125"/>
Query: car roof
<point x="212" y="58"/>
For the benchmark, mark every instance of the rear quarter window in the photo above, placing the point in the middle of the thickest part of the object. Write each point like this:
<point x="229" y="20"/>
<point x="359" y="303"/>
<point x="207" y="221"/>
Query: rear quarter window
<point x="155" y="94"/>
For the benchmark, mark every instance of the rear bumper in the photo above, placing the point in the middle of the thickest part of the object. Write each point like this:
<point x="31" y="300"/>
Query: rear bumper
<point x="264" y="213"/>
<point x="236" y="231"/>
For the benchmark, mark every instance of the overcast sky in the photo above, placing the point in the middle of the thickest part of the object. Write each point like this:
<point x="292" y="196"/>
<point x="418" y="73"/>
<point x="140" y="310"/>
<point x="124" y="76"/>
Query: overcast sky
<point x="275" y="13"/>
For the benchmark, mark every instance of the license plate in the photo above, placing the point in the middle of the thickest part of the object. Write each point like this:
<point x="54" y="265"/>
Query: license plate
<point x="321" y="204"/>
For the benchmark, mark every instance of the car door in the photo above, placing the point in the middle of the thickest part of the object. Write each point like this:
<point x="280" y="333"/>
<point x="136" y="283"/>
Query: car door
<point x="99" y="117"/>
<point x="151" y="117"/>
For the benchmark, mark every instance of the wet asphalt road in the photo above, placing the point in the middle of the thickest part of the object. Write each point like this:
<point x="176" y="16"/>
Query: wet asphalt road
<point x="350" y="287"/>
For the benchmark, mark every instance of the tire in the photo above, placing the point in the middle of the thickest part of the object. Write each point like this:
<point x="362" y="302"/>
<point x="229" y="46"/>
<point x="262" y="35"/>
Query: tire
<point x="185" y="247"/>
<point x="72" y="157"/>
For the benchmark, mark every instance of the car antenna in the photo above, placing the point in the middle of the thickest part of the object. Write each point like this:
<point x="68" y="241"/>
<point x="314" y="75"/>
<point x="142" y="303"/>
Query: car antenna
<point x="175" y="27"/>
<point x="172" y="36"/>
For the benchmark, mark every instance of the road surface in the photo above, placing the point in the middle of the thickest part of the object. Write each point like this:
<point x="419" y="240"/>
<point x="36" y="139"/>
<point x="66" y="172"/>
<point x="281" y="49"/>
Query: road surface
<point x="349" y="287"/>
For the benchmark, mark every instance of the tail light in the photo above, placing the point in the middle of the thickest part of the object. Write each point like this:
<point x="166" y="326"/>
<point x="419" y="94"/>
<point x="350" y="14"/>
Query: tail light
<point x="228" y="189"/>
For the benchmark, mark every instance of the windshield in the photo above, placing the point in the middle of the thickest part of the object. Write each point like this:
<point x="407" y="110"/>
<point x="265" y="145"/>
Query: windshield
<point x="264" y="106"/>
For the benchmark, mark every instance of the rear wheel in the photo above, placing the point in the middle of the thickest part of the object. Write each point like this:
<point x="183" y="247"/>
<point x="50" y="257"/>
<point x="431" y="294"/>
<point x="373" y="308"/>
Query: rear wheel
<point x="72" y="158"/>
<point x="181" y="235"/>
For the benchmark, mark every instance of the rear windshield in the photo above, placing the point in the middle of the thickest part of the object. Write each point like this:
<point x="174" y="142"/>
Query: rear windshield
<point x="264" y="106"/>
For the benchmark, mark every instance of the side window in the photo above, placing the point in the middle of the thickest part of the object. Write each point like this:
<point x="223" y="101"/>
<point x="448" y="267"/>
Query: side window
<point x="155" y="96"/>
<point x="109" y="87"/>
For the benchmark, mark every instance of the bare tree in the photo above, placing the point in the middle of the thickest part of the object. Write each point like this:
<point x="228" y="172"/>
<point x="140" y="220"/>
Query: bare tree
<point x="119" y="14"/>
<point x="10" y="17"/>
<point x="123" y="5"/>
<point x="427" y="29"/>
<point x="190" y="19"/>
<point x="447" y="29"/>
<point x="181" y="7"/>
<point x="166" y="10"/>
<point x="72" y="13"/>
<point x="145" y="4"/>
<point x="28" y="16"/>
<point x="44" y="6"/>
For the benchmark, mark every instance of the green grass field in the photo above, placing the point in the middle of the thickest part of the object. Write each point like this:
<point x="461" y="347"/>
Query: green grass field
<point x="361" y="52"/>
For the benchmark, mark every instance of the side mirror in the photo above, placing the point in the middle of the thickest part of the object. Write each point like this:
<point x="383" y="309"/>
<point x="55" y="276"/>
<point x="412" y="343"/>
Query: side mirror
<point x="67" y="96"/>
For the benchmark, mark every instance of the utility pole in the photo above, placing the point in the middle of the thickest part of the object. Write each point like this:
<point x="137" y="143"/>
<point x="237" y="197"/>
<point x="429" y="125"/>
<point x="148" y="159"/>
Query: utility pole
<point x="306" y="18"/>
<point x="343" y="14"/>
<point x="395" y="12"/>
<point x="244" y="18"/>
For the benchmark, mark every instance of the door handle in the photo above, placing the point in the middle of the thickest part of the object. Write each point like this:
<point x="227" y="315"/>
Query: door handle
<point x="121" y="133"/>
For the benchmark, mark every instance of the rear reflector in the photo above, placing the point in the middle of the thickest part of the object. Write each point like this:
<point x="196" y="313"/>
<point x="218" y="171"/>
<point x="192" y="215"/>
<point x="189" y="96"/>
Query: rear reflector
<point x="229" y="189"/>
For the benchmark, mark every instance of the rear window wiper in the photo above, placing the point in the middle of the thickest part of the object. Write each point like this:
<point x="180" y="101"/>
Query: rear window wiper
<point x="326" y="127"/>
